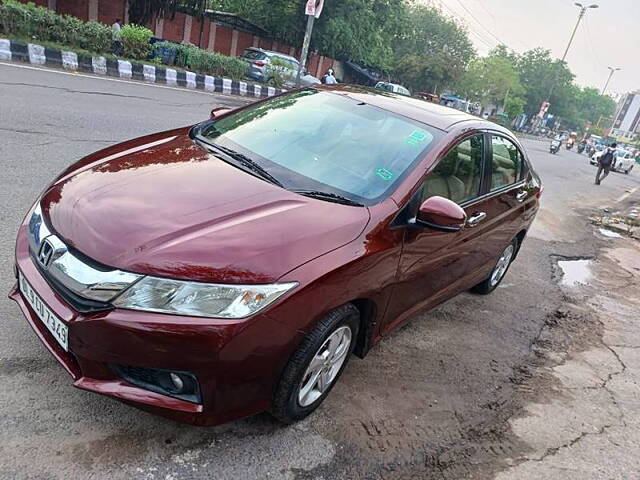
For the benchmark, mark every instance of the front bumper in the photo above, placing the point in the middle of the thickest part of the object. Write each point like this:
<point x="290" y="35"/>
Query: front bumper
<point x="237" y="362"/>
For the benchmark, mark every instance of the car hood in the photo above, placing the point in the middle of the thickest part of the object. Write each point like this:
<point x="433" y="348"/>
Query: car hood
<point x="161" y="205"/>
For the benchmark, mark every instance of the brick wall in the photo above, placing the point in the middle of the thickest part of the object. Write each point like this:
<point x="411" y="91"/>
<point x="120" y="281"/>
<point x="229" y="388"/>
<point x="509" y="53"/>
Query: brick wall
<point x="77" y="8"/>
<point x="108" y="12"/>
<point x="223" y="40"/>
<point x="173" y="28"/>
<point x="245" y="40"/>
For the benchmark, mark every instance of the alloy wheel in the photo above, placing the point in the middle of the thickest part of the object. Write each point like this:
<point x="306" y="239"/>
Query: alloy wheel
<point x="501" y="267"/>
<point x="325" y="366"/>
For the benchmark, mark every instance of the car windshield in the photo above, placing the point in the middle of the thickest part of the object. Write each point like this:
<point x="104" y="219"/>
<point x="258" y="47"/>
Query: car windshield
<point x="322" y="141"/>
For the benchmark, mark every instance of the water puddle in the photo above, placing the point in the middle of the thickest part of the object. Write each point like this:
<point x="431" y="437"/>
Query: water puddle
<point x="575" y="272"/>
<point x="608" y="233"/>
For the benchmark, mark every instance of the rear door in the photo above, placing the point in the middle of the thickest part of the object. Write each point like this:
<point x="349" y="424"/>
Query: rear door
<point x="505" y="192"/>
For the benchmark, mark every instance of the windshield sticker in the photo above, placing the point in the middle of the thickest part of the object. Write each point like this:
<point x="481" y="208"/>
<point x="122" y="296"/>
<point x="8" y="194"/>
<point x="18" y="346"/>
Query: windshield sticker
<point x="384" y="174"/>
<point x="416" y="138"/>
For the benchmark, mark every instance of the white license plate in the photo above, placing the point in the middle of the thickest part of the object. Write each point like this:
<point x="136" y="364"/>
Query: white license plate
<point x="58" y="329"/>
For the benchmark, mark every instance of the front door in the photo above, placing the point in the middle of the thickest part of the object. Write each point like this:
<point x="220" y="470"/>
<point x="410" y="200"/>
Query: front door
<point x="433" y="264"/>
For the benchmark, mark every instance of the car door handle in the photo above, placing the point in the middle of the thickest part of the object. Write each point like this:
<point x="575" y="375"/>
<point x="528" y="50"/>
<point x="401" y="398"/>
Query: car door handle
<point x="475" y="219"/>
<point x="522" y="195"/>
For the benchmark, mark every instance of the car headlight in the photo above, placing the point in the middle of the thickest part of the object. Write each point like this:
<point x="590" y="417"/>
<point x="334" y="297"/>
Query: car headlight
<point x="178" y="297"/>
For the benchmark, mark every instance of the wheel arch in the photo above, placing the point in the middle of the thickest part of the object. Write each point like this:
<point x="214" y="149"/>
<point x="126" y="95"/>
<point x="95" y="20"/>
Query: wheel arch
<point x="368" y="320"/>
<point x="520" y="238"/>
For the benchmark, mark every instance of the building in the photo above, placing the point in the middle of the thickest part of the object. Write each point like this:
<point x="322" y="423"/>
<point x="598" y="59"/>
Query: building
<point x="626" y="123"/>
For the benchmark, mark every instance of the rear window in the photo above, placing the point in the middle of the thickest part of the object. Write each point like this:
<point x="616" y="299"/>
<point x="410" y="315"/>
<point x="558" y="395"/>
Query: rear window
<point x="254" y="55"/>
<point x="289" y="61"/>
<point x="324" y="141"/>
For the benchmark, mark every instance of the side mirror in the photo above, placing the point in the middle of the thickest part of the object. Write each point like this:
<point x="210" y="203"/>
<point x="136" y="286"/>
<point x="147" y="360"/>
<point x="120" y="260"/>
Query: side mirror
<point x="442" y="214"/>
<point x="218" y="112"/>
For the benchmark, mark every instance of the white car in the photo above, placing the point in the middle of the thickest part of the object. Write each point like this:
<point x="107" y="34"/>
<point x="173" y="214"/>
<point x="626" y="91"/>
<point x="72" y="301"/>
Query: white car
<point x="624" y="160"/>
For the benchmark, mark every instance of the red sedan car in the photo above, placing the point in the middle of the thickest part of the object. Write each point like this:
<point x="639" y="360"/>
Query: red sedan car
<point x="213" y="272"/>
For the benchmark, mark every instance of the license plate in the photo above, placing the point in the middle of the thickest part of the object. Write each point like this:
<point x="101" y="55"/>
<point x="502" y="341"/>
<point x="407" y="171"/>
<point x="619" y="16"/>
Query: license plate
<point x="58" y="329"/>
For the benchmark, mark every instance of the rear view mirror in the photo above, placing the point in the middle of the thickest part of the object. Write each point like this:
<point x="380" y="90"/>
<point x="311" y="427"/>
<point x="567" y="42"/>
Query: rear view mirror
<point x="217" y="112"/>
<point x="442" y="214"/>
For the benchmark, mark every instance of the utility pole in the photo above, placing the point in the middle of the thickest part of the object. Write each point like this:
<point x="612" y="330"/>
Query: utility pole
<point x="313" y="8"/>
<point x="305" y="47"/>
<point x="583" y="11"/>
<point x="611" y="72"/>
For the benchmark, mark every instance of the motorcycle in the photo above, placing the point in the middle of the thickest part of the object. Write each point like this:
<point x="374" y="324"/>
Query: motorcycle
<point x="581" y="147"/>
<point x="554" y="147"/>
<point x="569" y="145"/>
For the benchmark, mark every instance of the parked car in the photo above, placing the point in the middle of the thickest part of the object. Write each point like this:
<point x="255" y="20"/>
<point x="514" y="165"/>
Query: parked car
<point x="259" y="61"/>
<point x="624" y="160"/>
<point x="394" y="88"/>
<point x="212" y="272"/>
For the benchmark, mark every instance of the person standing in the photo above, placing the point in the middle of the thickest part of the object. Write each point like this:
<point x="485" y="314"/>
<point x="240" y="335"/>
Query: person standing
<point x="606" y="161"/>
<point x="117" y="46"/>
<point x="328" y="78"/>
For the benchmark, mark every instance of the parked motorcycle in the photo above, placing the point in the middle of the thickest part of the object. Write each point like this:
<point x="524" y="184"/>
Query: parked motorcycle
<point x="554" y="147"/>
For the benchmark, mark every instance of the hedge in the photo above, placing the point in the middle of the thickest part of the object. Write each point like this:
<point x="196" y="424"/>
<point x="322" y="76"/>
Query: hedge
<point x="199" y="60"/>
<point x="40" y="23"/>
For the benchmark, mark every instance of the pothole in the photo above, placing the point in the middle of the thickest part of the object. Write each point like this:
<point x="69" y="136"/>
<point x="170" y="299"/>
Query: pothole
<point x="575" y="272"/>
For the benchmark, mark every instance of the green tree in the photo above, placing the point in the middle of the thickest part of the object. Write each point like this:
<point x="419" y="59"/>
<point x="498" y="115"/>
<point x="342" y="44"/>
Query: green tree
<point x="538" y="71"/>
<point x="492" y="80"/>
<point x="432" y="51"/>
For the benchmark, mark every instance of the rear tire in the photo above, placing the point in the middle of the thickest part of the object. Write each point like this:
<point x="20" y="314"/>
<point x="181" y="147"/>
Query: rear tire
<point x="315" y="367"/>
<point x="499" y="270"/>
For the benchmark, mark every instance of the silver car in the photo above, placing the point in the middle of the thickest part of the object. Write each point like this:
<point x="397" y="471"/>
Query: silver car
<point x="259" y="60"/>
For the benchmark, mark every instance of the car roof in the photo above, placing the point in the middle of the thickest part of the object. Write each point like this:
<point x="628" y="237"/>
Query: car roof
<point x="429" y="113"/>
<point x="272" y="52"/>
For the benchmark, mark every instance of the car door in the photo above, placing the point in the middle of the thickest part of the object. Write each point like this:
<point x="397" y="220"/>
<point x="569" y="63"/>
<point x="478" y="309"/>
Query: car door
<point x="435" y="265"/>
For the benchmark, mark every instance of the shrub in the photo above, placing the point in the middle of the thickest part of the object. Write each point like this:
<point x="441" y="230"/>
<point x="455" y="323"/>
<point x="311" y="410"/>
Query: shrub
<point x="95" y="37"/>
<point x="135" y="40"/>
<point x="279" y="71"/>
<point x="199" y="60"/>
<point x="39" y="23"/>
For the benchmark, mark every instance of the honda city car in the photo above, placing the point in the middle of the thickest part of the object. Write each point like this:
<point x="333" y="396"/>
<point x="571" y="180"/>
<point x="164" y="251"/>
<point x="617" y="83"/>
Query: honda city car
<point x="215" y="271"/>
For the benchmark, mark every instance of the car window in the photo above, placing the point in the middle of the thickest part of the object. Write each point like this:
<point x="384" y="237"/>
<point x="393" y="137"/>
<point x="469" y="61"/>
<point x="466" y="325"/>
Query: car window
<point x="506" y="162"/>
<point x="457" y="176"/>
<point x="310" y="139"/>
<point x="253" y="55"/>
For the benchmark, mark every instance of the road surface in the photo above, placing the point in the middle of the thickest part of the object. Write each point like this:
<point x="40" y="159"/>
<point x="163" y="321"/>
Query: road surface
<point x="454" y="394"/>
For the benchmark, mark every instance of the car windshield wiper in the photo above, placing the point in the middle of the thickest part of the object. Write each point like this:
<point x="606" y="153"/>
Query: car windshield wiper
<point x="328" y="196"/>
<point x="245" y="161"/>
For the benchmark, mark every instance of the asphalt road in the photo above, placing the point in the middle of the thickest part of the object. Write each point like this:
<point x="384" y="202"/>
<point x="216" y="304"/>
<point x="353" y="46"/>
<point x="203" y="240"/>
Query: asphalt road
<point x="432" y="401"/>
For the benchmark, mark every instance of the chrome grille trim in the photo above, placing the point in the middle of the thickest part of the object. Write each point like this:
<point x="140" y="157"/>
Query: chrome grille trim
<point x="70" y="270"/>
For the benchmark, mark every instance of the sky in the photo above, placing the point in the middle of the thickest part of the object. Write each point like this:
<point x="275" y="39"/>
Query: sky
<point x="607" y="36"/>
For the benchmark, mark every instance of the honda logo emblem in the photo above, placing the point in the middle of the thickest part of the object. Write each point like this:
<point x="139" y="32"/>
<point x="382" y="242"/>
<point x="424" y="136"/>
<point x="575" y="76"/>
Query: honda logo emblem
<point x="45" y="255"/>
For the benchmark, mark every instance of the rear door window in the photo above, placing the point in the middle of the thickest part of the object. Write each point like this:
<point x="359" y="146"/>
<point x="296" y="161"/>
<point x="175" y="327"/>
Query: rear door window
<point x="506" y="162"/>
<point x="458" y="175"/>
<point x="253" y="55"/>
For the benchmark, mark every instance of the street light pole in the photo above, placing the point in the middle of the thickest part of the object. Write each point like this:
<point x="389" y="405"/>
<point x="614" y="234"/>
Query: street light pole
<point x="611" y="72"/>
<point x="583" y="11"/>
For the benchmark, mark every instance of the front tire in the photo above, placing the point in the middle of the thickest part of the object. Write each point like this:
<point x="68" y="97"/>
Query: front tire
<point x="499" y="270"/>
<point x="315" y="367"/>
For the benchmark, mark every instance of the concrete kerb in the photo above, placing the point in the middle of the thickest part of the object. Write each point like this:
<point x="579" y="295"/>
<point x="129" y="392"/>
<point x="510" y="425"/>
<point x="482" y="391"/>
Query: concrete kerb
<point x="149" y="73"/>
